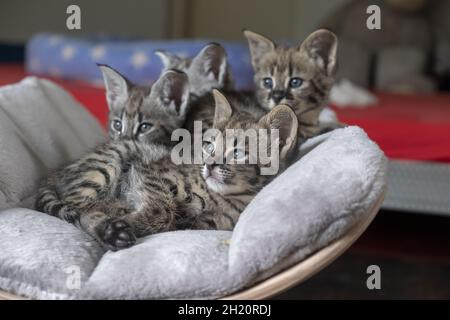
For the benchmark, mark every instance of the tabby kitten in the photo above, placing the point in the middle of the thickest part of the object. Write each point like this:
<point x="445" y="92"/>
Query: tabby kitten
<point x="163" y="106"/>
<point x="300" y="77"/>
<point x="208" y="70"/>
<point x="130" y="114"/>
<point x="144" y="113"/>
<point x="127" y="189"/>
<point x="202" y="109"/>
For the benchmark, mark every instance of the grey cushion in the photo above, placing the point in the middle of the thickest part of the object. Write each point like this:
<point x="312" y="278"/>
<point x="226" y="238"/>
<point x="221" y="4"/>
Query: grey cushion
<point x="43" y="257"/>
<point x="314" y="202"/>
<point x="41" y="127"/>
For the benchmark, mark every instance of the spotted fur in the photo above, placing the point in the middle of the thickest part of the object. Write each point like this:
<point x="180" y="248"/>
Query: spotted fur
<point x="162" y="107"/>
<point x="126" y="189"/>
<point x="300" y="77"/>
<point x="208" y="70"/>
<point x="203" y="108"/>
<point x="144" y="113"/>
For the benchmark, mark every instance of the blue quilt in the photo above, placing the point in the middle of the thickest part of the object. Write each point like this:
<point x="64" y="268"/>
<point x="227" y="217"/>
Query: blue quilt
<point x="75" y="58"/>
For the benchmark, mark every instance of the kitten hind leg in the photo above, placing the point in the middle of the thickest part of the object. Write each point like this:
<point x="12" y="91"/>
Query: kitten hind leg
<point x="155" y="207"/>
<point x="155" y="218"/>
<point x="103" y="223"/>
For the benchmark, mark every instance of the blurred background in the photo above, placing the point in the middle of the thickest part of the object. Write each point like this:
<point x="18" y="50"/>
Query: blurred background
<point x="162" y="19"/>
<point x="393" y="82"/>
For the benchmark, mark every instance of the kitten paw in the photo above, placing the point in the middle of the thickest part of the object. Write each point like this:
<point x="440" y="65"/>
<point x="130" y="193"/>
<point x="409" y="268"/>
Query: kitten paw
<point x="118" y="235"/>
<point x="69" y="214"/>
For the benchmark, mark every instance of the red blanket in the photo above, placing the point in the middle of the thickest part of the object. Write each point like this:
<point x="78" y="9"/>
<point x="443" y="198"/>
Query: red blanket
<point x="405" y="126"/>
<point x="414" y="127"/>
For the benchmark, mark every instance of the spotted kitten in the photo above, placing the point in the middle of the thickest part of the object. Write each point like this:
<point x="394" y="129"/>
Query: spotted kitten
<point x="300" y="77"/>
<point x="208" y="70"/>
<point x="144" y="113"/>
<point x="131" y="115"/>
<point x="163" y="106"/>
<point x="128" y="189"/>
<point x="202" y="109"/>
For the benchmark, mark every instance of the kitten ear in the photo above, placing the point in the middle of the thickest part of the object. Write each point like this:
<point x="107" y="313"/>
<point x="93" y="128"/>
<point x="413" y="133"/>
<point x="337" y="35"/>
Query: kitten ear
<point x="211" y="63"/>
<point x="169" y="60"/>
<point x="284" y="119"/>
<point x="259" y="46"/>
<point x="321" y="47"/>
<point x="223" y="109"/>
<point x="172" y="91"/>
<point x="116" y="86"/>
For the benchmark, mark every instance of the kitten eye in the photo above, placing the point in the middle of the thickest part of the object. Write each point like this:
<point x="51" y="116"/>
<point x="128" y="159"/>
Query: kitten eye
<point x="116" y="125"/>
<point x="209" y="148"/>
<point x="268" y="83"/>
<point x="144" y="127"/>
<point x="295" y="82"/>
<point x="238" y="154"/>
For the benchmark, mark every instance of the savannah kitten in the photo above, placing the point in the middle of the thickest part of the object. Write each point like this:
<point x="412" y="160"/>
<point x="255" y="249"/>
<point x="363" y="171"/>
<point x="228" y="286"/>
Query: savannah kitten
<point x="142" y="113"/>
<point x="300" y="77"/>
<point x="208" y="70"/>
<point x="162" y="107"/>
<point x="129" y="114"/>
<point x="128" y="189"/>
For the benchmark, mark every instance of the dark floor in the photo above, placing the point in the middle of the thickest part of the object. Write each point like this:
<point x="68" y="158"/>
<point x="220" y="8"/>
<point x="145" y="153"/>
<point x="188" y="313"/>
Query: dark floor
<point x="412" y="251"/>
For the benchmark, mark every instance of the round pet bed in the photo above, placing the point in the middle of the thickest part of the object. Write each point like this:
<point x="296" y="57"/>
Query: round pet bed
<point x="295" y="274"/>
<point x="307" y="268"/>
<point x="295" y="226"/>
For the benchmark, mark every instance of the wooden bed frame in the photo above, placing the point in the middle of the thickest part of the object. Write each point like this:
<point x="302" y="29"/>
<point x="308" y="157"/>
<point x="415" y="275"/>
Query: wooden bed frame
<point x="298" y="272"/>
<point x="311" y="265"/>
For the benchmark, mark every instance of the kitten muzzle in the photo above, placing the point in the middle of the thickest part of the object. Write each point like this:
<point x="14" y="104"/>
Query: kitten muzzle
<point x="278" y="95"/>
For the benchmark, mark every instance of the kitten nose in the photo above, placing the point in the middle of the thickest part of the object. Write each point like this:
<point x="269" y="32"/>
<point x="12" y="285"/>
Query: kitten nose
<point x="278" y="95"/>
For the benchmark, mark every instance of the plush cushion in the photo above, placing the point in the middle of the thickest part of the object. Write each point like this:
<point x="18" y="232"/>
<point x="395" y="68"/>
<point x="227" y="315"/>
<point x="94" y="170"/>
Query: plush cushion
<point x="43" y="257"/>
<point x="315" y="201"/>
<point x="41" y="127"/>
